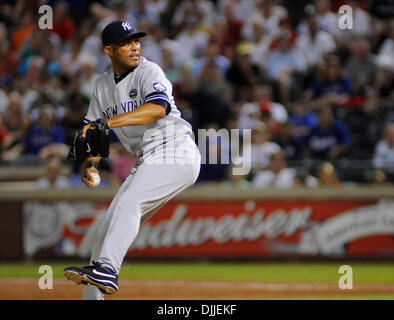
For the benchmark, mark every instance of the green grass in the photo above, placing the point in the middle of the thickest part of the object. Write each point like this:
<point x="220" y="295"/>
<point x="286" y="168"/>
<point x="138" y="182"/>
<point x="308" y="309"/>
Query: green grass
<point x="250" y="272"/>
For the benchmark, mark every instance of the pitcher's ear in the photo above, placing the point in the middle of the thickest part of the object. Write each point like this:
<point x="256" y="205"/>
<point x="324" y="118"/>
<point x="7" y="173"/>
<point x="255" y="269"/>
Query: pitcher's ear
<point x="108" y="50"/>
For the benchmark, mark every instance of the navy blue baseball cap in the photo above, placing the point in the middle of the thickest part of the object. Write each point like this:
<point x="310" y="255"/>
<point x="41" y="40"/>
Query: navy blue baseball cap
<point x="118" y="31"/>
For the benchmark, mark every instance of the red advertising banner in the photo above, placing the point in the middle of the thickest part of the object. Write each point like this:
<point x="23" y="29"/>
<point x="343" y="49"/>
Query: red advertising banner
<point x="223" y="229"/>
<point x="268" y="228"/>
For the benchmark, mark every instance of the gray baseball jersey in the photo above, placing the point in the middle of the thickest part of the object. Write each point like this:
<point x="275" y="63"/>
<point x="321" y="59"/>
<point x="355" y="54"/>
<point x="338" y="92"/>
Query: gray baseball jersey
<point x="145" y="83"/>
<point x="152" y="183"/>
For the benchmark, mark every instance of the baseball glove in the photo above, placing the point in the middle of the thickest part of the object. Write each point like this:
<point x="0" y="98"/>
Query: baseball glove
<point x="90" y="141"/>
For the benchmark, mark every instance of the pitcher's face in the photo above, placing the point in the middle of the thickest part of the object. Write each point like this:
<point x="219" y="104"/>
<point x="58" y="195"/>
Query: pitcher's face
<point x="125" y="54"/>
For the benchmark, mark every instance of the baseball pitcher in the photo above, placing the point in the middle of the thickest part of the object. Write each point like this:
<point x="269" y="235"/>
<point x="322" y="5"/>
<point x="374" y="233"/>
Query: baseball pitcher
<point x="134" y="99"/>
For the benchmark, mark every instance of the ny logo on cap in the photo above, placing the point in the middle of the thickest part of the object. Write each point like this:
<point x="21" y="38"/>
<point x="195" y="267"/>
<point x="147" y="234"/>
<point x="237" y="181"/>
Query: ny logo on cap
<point x="126" y="26"/>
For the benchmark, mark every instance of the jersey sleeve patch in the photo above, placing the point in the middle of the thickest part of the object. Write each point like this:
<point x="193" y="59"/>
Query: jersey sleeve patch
<point x="159" y="87"/>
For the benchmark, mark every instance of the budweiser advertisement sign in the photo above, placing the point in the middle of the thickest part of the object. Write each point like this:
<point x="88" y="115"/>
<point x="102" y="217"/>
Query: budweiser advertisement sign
<point x="223" y="229"/>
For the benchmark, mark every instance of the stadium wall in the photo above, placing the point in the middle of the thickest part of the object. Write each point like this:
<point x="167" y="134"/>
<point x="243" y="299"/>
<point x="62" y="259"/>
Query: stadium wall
<point x="208" y="222"/>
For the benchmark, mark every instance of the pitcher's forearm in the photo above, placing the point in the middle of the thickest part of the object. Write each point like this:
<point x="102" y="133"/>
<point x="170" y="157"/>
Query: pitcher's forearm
<point x="143" y="115"/>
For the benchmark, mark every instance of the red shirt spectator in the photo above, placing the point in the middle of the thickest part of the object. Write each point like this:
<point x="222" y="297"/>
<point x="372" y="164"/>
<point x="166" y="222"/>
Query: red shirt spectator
<point x="3" y="135"/>
<point x="63" y="26"/>
<point x="233" y="27"/>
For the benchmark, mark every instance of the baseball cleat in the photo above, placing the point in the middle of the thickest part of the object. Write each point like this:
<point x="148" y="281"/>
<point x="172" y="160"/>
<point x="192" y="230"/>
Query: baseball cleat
<point x="96" y="275"/>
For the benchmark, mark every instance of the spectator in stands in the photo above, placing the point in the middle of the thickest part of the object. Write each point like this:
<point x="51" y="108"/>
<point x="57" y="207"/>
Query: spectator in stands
<point x="291" y="146"/>
<point x="326" y="19"/>
<point x="170" y="65"/>
<point x="379" y="178"/>
<point x="32" y="49"/>
<point x="212" y="52"/>
<point x="301" y="122"/>
<point x="141" y="12"/>
<point x="383" y="157"/>
<point x="330" y="139"/>
<point x="232" y="26"/>
<point x="211" y="101"/>
<point x="283" y="63"/>
<point x="383" y="92"/>
<point x="284" y="27"/>
<point x="87" y="75"/>
<point x="35" y="75"/>
<point x="157" y="7"/>
<point x="220" y="34"/>
<point x="315" y="43"/>
<point x="45" y="138"/>
<point x="193" y="40"/>
<point x="327" y="176"/>
<point x="270" y="14"/>
<point x="8" y="58"/>
<point x="262" y="147"/>
<point x="302" y="119"/>
<point x="242" y="10"/>
<point x="243" y="74"/>
<point x="63" y="25"/>
<point x="361" y="67"/>
<point x="304" y="179"/>
<point x="3" y="138"/>
<point x="52" y="66"/>
<point x="274" y="114"/>
<point x="262" y="108"/>
<point x="25" y="29"/>
<point x="114" y="11"/>
<point x="387" y="46"/>
<point x="383" y="89"/>
<point x="154" y="44"/>
<point x="361" y="24"/>
<point x="249" y="116"/>
<point x="73" y="60"/>
<point x="92" y="45"/>
<point x="6" y="85"/>
<point x="16" y="124"/>
<point x="30" y="94"/>
<point x="54" y="178"/>
<point x="193" y="11"/>
<point x="184" y="90"/>
<point x="334" y="88"/>
<point x="261" y="41"/>
<point x="277" y="174"/>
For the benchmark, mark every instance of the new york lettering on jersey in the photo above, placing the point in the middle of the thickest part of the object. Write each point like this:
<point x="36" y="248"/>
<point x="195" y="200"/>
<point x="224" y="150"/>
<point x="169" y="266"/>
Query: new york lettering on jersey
<point x="125" y="107"/>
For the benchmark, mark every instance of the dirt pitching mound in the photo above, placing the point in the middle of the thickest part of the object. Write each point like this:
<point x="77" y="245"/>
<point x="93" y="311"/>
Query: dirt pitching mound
<point x="28" y="289"/>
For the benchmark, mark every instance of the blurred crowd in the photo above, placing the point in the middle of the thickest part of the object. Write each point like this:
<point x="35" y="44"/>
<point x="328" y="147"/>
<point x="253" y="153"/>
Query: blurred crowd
<point x="319" y="101"/>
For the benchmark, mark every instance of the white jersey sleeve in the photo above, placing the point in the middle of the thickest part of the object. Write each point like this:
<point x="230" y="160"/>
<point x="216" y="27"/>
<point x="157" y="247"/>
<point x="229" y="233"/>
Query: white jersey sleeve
<point x="154" y="85"/>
